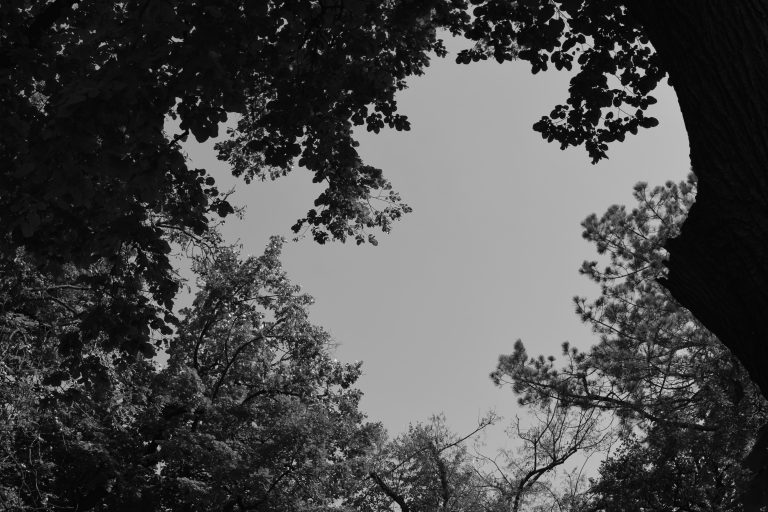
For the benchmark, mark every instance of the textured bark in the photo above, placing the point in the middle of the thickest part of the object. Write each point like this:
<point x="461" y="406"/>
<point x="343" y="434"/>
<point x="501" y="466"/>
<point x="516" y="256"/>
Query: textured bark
<point x="716" y="52"/>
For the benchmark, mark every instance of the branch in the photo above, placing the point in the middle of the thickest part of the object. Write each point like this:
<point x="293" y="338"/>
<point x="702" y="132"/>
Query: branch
<point x="483" y="424"/>
<point x="609" y="403"/>
<point x="179" y="136"/>
<point x="271" y="392"/>
<point x="389" y="492"/>
<point x="61" y="287"/>
<point x="239" y="349"/>
<point x="445" y="490"/>
<point x="533" y="475"/>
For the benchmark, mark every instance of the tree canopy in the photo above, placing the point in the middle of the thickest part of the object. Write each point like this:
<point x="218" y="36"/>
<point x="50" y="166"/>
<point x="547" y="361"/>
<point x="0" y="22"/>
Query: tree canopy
<point x="95" y="192"/>
<point x="90" y="175"/>
<point x="689" y="413"/>
<point x="682" y="425"/>
<point x="711" y="53"/>
<point x="251" y="411"/>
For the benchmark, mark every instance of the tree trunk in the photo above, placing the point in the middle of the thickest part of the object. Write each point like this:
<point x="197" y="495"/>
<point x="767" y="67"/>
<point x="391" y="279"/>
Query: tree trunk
<point x="716" y="53"/>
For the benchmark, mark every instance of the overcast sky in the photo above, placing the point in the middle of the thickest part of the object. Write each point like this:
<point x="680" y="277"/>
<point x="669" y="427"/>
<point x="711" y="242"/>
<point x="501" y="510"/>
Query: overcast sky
<point x="490" y="253"/>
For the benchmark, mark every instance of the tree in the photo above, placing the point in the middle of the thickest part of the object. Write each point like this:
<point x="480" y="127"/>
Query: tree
<point x="667" y="471"/>
<point x="426" y="469"/>
<point x="250" y="413"/>
<point x="690" y="414"/>
<point x="90" y="179"/>
<point x="68" y="409"/>
<point x="711" y="53"/>
<point x="527" y="479"/>
<point x="88" y="172"/>
<point x="88" y="169"/>
<point x="89" y="175"/>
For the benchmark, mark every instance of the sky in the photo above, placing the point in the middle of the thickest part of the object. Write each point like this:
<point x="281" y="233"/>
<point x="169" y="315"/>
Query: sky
<point x="490" y="253"/>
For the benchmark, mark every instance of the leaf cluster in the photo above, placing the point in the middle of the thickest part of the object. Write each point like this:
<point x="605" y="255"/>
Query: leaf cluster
<point x="616" y="69"/>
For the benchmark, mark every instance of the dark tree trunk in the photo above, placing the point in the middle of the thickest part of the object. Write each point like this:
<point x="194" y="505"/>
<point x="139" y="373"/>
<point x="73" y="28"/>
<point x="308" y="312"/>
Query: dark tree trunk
<point x="716" y="53"/>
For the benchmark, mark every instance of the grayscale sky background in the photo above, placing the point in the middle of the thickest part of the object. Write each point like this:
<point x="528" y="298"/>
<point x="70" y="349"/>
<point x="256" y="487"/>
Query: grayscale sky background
<point x="490" y="253"/>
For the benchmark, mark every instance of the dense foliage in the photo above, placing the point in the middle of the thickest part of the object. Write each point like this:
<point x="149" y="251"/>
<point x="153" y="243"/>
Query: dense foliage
<point x="616" y="67"/>
<point x="89" y="174"/>
<point x="689" y="412"/>
<point x="250" y="412"/>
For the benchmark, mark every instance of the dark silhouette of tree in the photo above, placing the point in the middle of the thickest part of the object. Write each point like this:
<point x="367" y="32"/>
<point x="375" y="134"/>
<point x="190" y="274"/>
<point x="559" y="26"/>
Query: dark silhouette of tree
<point x="90" y="177"/>
<point x="667" y="471"/>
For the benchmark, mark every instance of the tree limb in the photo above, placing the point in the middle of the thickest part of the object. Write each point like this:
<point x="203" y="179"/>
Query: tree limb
<point x="390" y="492"/>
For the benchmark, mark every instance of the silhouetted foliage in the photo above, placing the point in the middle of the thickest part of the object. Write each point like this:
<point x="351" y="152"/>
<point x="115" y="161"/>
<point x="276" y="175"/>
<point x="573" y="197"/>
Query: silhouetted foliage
<point x="91" y="178"/>
<point x="616" y="67"/>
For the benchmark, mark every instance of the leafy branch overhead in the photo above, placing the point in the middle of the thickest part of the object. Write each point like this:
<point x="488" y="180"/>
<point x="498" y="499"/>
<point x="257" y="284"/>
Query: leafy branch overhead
<point x="89" y="175"/>
<point x="616" y="68"/>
